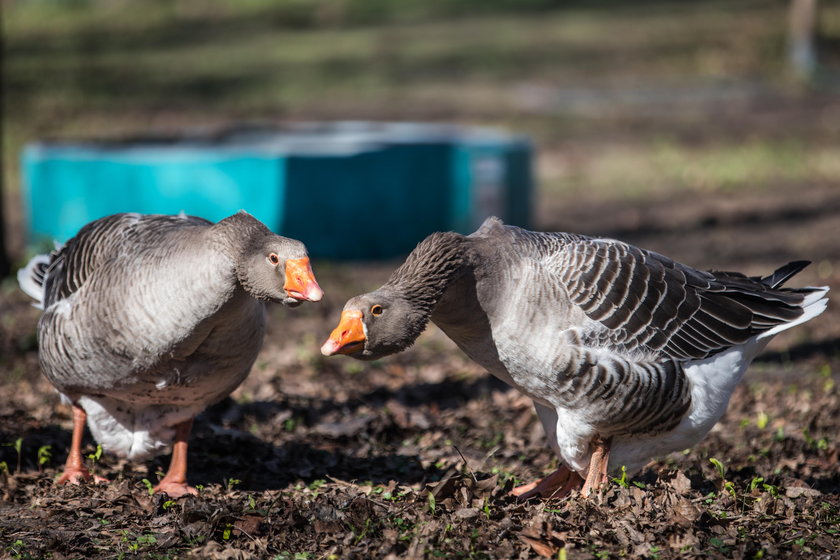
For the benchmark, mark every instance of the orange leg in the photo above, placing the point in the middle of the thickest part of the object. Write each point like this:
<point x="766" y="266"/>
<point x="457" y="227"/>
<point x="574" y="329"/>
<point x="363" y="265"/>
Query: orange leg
<point x="74" y="468"/>
<point x="175" y="481"/>
<point x="597" y="466"/>
<point x="558" y="484"/>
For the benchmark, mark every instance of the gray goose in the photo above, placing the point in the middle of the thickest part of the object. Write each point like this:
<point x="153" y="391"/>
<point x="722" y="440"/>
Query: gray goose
<point x="148" y="319"/>
<point x="627" y="354"/>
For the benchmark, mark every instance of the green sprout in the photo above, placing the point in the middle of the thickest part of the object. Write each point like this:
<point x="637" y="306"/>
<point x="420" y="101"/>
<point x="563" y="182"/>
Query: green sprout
<point x="18" y="445"/>
<point x="44" y="455"/>
<point x="96" y="455"/>
<point x="719" y="466"/>
<point x="622" y="480"/>
<point x="726" y="485"/>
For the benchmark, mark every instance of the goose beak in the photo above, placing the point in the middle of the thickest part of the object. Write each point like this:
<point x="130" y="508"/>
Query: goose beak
<point x="348" y="337"/>
<point x="300" y="281"/>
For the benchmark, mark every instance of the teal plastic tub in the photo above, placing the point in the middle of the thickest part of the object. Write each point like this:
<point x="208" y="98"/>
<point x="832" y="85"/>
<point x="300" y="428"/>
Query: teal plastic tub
<point x="348" y="190"/>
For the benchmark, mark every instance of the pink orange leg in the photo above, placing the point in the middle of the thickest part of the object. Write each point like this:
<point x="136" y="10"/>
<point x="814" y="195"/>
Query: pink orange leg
<point x="74" y="469"/>
<point x="598" y="463"/>
<point x="175" y="481"/>
<point x="558" y="484"/>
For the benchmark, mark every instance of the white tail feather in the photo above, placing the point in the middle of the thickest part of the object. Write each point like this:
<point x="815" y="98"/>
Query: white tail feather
<point x="31" y="278"/>
<point x="813" y="304"/>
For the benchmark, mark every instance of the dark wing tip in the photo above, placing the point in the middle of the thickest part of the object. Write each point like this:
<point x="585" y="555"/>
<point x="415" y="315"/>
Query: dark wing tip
<point x="784" y="273"/>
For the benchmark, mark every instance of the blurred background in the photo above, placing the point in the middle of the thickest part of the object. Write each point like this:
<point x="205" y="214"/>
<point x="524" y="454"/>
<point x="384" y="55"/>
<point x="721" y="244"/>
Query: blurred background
<point x="642" y="116"/>
<point x="709" y="131"/>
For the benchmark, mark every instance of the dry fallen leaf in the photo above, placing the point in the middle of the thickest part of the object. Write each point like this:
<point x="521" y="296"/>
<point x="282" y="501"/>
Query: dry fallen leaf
<point x="540" y="547"/>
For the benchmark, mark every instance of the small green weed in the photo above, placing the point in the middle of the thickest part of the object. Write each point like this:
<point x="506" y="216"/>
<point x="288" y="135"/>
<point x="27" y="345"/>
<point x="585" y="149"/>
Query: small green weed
<point x="363" y="533"/>
<point x="819" y="444"/>
<point x="719" y="466"/>
<point x="725" y="485"/>
<point x="18" y="446"/>
<point x="719" y="545"/>
<point x="622" y="480"/>
<point x="771" y="489"/>
<point x="316" y="484"/>
<point x="96" y="455"/>
<point x="44" y="456"/>
<point x="17" y="550"/>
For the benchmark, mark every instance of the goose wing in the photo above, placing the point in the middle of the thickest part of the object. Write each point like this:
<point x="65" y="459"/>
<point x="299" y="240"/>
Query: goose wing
<point x="647" y="302"/>
<point x="73" y="264"/>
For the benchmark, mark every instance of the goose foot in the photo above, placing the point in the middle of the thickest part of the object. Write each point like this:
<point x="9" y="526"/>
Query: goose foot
<point x="598" y="463"/>
<point x="558" y="484"/>
<point x="73" y="475"/>
<point x="175" y="481"/>
<point x="174" y="489"/>
<point x="74" y="469"/>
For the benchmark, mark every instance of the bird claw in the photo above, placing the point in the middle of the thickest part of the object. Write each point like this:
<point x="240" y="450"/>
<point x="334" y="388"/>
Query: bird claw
<point x="174" y="489"/>
<point x="77" y="475"/>
<point x="558" y="484"/>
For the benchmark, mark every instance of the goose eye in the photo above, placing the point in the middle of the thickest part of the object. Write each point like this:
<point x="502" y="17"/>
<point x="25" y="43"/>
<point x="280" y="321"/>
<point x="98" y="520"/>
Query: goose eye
<point x="376" y="310"/>
<point x="273" y="258"/>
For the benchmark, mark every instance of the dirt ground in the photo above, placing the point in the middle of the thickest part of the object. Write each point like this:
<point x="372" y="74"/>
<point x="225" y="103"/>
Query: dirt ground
<point x="413" y="456"/>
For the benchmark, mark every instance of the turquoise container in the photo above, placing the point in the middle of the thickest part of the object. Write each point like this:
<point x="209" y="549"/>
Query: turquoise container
<point x="348" y="190"/>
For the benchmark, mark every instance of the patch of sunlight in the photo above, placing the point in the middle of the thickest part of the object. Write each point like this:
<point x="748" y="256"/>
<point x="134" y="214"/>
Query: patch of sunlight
<point x="635" y="171"/>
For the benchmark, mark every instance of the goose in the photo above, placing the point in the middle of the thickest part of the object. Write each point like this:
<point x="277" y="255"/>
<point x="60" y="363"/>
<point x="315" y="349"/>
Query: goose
<point x="627" y="354"/>
<point x="149" y="319"/>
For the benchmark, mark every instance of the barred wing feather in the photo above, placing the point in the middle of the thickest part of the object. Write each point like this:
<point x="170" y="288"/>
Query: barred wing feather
<point x="647" y="302"/>
<point x="74" y="263"/>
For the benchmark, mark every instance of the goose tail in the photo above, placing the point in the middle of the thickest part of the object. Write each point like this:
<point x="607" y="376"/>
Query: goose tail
<point x="814" y="300"/>
<point x="32" y="277"/>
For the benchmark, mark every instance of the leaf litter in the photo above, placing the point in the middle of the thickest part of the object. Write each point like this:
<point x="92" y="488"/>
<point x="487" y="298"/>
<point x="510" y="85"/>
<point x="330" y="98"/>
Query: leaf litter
<point x="414" y="456"/>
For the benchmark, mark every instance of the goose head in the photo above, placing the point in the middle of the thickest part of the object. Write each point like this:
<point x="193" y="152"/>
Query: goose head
<point x="390" y="319"/>
<point x="375" y="325"/>
<point x="277" y="269"/>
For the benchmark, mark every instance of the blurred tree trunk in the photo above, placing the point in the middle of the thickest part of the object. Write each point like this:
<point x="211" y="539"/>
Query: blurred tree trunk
<point x="5" y="265"/>
<point x="802" y="23"/>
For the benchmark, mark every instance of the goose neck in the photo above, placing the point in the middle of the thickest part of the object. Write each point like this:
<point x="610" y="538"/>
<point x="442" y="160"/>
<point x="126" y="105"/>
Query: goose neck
<point x="434" y="265"/>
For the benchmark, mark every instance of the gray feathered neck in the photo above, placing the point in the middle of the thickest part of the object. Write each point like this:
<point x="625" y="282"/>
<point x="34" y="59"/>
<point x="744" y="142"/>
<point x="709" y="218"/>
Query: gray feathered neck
<point x="434" y="264"/>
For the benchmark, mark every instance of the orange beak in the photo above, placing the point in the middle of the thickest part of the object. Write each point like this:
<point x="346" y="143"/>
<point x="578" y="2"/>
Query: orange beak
<point x="347" y="337"/>
<point x="300" y="281"/>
